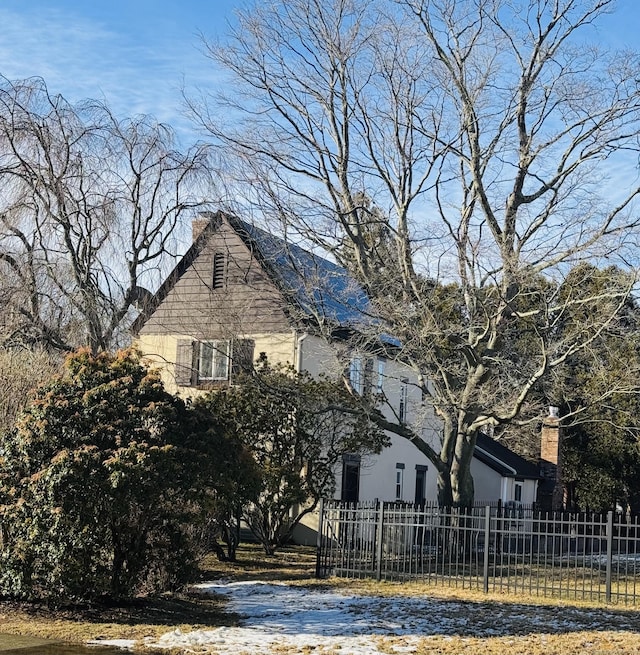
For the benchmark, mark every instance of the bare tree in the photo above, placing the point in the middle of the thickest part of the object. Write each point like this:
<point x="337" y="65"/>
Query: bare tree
<point x="21" y="371"/>
<point x="486" y="135"/>
<point x="90" y="204"/>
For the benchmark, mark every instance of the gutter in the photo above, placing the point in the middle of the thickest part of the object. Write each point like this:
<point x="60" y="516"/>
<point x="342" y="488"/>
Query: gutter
<point x="495" y="459"/>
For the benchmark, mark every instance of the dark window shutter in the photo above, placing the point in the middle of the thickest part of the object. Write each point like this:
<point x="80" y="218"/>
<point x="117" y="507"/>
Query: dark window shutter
<point x="242" y="356"/>
<point x="368" y="375"/>
<point x="185" y="372"/>
<point x="350" y="491"/>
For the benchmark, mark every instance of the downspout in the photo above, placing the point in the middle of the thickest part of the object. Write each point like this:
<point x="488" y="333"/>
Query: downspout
<point x="504" y="491"/>
<point x="298" y="350"/>
<point x="297" y="365"/>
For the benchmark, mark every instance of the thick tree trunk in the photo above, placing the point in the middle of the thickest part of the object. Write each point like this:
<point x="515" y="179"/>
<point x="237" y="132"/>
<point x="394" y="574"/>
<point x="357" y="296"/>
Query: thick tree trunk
<point x="455" y="482"/>
<point x="445" y="495"/>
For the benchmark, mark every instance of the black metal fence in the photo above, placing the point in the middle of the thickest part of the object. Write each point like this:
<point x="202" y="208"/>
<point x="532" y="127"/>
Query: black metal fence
<point x="494" y="548"/>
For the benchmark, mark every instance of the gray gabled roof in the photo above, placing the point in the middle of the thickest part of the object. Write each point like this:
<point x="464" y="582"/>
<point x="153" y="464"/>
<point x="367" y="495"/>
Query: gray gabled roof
<point x="503" y="460"/>
<point x="320" y="288"/>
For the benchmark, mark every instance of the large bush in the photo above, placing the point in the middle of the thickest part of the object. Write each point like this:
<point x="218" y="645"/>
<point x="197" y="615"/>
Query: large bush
<point x="97" y="485"/>
<point x="228" y="476"/>
<point x="297" y="429"/>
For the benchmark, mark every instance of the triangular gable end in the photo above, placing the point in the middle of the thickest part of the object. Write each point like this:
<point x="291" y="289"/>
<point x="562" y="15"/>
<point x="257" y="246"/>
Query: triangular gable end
<point x="218" y="289"/>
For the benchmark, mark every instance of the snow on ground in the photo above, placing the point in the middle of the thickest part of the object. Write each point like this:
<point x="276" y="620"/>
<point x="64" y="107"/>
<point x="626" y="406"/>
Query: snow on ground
<point x="276" y="617"/>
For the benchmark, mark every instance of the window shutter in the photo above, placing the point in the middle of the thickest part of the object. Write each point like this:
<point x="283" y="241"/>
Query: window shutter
<point x="404" y="397"/>
<point x="242" y="356"/>
<point x="184" y="371"/>
<point x="368" y="375"/>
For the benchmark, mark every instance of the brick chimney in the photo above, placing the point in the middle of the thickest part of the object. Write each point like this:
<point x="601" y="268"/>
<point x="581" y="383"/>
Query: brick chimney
<point x="197" y="226"/>
<point x="551" y="488"/>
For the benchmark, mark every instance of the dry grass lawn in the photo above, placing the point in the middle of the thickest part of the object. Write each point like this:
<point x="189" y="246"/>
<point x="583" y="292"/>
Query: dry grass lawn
<point x="614" y="631"/>
<point x="137" y="620"/>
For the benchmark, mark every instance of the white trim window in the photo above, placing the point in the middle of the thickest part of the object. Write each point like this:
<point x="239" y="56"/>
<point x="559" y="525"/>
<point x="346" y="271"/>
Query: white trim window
<point x="213" y="360"/>
<point x="380" y="378"/>
<point x="361" y="372"/>
<point x="356" y="376"/>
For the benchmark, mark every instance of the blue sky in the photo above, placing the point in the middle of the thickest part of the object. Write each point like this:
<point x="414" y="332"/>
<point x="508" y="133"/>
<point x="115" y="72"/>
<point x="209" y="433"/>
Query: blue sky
<point x="137" y="54"/>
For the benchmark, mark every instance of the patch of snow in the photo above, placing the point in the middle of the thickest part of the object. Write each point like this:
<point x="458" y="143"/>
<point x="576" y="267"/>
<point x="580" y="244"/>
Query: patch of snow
<point x="278" y="616"/>
<point x="127" y="644"/>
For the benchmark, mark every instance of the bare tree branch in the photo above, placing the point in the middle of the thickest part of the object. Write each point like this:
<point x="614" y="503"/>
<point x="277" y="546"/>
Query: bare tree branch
<point x="485" y="144"/>
<point x="90" y="204"/>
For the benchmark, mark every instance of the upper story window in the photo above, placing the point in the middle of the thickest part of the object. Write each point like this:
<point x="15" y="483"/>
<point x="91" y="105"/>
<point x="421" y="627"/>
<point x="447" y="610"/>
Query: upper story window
<point x="213" y="360"/>
<point x="219" y="270"/>
<point x="361" y="374"/>
<point x="356" y="374"/>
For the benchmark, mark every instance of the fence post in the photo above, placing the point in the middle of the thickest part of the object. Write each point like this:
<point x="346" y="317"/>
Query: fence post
<point x="609" y="555"/>
<point x="319" y="539"/>
<point x="379" y="528"/>
<point x="487" y="536"/>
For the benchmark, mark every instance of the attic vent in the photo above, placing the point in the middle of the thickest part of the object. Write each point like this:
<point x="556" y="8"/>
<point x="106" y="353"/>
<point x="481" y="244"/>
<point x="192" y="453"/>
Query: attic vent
<point x="218" y="270"/>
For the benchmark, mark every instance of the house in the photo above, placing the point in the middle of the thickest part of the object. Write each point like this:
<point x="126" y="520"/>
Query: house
<point x="240" y="291"/>
<point x="499" y="473"/>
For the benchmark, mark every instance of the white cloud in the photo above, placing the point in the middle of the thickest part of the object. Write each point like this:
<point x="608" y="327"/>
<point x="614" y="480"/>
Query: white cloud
<point x="80" y="57"/>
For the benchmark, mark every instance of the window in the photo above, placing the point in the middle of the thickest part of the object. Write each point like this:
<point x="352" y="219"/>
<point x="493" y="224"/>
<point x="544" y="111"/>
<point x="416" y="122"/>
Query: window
<point x="213" y="360"/>
<point x="380" y="379"/>
<point x="219" y="266"/>
<point x="517" y="491"/>
<point x="399" y="480"/>
<point x="402" y="408"/>
<point x="361" y="374"/>
<point x="356" y="378"/>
